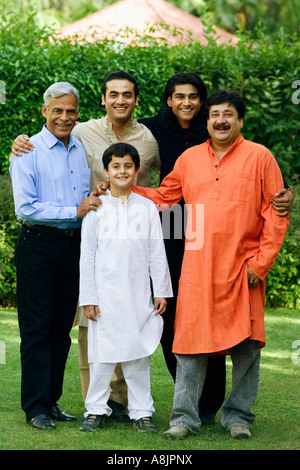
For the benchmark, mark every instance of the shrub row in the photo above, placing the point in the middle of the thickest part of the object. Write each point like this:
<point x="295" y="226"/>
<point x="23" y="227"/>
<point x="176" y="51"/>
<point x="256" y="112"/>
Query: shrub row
<point x="264" y="73"/>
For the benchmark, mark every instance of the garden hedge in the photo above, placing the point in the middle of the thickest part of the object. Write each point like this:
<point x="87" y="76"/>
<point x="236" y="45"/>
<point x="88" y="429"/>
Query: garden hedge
<point x="31" y="59"/>
<point x="264" y="72"/>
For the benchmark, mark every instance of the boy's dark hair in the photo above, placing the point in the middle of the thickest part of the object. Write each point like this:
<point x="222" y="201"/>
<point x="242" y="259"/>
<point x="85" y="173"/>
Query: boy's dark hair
<point x="224" y="96"/>
<point x="120" y="75"/>
<point x="120" y="150"/>
<point x="185" y="78"/>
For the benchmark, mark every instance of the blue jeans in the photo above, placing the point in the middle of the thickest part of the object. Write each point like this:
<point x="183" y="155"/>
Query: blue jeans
<point x="190" y="377"/>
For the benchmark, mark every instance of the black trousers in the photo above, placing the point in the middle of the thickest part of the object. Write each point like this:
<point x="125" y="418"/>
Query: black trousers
<point x="47" y="264"/>
<point x="215" y="383"/>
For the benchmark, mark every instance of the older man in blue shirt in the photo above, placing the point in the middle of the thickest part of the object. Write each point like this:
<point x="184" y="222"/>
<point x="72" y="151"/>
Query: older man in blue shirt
<point x="51" y="186"/>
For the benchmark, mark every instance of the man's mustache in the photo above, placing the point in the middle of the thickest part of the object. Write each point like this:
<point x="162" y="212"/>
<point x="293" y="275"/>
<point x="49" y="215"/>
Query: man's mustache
<point x="221" y="126"/>
<point x="65" y="123"/>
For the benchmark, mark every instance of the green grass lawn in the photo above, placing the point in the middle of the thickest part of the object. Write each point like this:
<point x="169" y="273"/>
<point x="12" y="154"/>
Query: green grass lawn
<point x="277" y="424"/>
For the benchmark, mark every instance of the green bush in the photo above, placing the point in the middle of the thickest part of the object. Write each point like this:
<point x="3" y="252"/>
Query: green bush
<point x="264" y="72"/>
<point x="8" y="236"/>
<point x="283" y="283"/>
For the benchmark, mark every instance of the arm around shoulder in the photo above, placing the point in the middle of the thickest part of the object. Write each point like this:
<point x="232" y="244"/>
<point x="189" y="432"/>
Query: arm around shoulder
<point x="21" y="145"/>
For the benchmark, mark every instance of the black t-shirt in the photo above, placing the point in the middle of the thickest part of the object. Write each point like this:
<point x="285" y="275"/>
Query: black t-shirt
<point x="172" y="139"/>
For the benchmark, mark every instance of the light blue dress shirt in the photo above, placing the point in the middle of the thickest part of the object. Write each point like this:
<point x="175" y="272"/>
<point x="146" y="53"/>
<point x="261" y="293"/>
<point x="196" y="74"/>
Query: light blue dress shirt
<point x="50" y="181"/>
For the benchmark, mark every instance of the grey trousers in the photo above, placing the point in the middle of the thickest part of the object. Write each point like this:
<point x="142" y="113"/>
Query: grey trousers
<point x="190" y="377"/>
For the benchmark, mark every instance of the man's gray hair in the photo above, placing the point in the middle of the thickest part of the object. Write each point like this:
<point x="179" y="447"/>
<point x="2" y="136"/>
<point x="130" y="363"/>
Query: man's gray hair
<point x="60" y="89"/>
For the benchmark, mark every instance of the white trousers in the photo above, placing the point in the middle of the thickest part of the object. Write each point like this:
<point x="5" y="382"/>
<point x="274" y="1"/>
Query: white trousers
<point x="137" y="377"/>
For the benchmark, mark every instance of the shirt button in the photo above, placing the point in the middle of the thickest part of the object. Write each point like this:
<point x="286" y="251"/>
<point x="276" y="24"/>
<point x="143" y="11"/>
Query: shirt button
<point x="74" y="188"/>
<point x="217" y="179"/>
<point x="216" y="166"/>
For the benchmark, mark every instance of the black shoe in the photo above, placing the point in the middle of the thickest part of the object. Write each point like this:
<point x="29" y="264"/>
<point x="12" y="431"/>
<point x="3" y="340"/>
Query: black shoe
<point x="119" y="412"/>
<point x="59" y="415"/>
<point x="42" y="421"/>
<point x="92" y="422"/>
<point x="145" y="425"/>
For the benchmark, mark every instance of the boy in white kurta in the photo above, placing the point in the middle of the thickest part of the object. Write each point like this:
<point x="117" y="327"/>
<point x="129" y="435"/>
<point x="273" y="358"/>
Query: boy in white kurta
<point x="121" y="249"/>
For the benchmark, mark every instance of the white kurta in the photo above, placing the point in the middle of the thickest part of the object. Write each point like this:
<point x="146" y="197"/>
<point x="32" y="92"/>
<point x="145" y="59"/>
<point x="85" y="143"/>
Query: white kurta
<point x="122" y="247"/>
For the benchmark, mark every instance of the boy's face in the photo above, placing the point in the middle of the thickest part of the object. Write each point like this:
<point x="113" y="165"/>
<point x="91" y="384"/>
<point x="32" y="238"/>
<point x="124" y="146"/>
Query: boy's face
<point x="121" y="173"/>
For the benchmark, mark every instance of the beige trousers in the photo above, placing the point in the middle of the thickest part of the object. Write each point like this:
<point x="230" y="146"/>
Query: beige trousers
<point x="118" y="387"/>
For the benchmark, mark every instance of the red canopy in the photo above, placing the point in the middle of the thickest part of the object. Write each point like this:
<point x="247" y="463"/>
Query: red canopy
<point x="139" y="16"/>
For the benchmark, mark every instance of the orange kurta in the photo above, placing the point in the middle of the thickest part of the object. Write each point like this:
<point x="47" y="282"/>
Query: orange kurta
<point x="235" y="225"/>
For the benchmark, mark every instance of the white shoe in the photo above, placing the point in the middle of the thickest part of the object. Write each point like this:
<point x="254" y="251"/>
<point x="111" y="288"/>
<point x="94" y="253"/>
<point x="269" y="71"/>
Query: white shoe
<point x="177" y="432"/>
<point x="238" y="431"/>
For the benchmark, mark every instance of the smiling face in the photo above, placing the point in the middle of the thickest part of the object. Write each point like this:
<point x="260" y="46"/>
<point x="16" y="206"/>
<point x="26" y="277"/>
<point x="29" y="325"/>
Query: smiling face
<point x="121" y="172"/>
<point x="224" y="124"/>
<point x="61" y="116"/>
<point x="119" y="101"/>
<point x="185" y="103"/>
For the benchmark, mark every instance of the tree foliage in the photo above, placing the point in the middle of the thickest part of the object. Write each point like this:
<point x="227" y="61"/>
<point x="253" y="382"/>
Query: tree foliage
<point x="247" y="14"/>
<point x="230" y="15"/>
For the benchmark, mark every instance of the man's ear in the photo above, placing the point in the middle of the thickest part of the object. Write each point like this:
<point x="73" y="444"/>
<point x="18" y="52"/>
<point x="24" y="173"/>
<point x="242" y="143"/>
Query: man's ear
<point x="103" y="100"/>
<point x="44" y="111"/>
<point x="169" y="102"/>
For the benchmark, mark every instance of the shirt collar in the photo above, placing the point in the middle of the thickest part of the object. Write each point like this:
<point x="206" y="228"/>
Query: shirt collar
<point x="51" y="140"/>
<point x="130" y="123"/>
<point x="118" y="200"/>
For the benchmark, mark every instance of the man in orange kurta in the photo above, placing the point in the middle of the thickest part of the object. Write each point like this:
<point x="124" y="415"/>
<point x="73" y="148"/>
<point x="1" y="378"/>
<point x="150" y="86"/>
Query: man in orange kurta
<point x="233" y="238"/>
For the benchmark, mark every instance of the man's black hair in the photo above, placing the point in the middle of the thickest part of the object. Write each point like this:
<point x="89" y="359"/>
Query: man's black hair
<point x="120" y="75"/>
<point x="185" y="78"/>
<point x="224" y="96"/>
